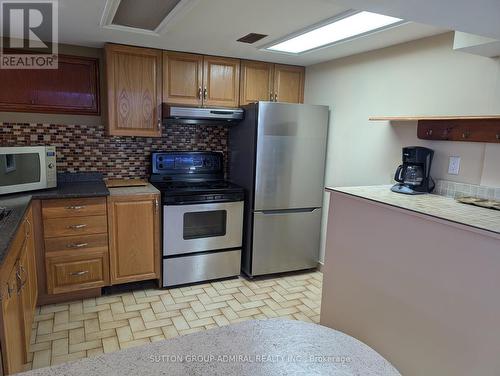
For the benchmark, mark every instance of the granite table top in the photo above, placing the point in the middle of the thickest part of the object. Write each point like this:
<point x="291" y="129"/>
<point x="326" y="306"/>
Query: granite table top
<point x="69" y="185"/>
<point x="253" y="348"/>
<point x="430" y="204"/>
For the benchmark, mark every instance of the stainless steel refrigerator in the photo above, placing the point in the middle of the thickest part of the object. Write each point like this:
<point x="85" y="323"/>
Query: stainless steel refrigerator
<point x="277" y="153"/>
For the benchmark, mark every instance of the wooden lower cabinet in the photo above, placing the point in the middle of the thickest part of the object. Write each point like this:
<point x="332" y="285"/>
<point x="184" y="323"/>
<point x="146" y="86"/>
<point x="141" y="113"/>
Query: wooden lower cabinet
<point x="134" y="241"/>
<point x="75" y="254"/>
<point x="19" y="294"/>
<point x="68" y="271"/>
<point x="28" y="278"/>
<point x="14" y="353"/>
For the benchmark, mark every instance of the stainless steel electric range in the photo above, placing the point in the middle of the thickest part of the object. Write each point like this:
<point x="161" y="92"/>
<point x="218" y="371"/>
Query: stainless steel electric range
<point x="202" y="217"/>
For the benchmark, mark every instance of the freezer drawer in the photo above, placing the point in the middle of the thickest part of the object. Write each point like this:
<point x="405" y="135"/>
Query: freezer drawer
<point x="201" y="267"/>
<point x="285" y="240"/>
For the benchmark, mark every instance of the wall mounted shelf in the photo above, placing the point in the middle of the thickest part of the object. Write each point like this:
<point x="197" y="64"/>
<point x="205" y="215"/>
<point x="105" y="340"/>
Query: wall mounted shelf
<point x="453" y="128"/>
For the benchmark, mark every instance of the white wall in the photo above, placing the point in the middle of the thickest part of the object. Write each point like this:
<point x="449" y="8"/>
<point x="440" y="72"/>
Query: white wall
<point x="424" y="77"/>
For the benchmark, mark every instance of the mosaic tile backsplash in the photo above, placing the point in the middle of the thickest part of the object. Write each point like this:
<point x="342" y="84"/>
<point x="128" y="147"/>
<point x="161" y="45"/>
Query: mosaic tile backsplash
<point x="456" y="190"/>
<point x="85" y="148"/>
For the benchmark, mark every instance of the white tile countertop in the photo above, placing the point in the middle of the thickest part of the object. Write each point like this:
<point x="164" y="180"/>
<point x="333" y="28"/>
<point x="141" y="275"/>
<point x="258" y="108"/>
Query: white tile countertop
<point x="441" y="207"/>
<point x="128" y="191"/>
<point x="253" y="348"/>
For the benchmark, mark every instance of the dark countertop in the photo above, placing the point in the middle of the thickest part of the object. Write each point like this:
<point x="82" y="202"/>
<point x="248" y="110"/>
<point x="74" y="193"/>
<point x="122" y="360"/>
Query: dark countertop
<point x="69" y="185"/>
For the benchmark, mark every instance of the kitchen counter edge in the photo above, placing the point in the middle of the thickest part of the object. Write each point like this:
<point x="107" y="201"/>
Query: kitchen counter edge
<point x="370" y="193"/>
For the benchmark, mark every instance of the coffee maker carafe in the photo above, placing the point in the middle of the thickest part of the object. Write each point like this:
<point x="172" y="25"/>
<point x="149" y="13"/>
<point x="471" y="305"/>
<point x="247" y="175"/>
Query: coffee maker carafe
<point x="413" y="176"/>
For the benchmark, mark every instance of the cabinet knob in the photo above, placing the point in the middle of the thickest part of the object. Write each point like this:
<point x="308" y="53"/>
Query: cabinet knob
<point x="199" y="93"/>
<point x="205" y="93"/>
<point x="275" y="97"/>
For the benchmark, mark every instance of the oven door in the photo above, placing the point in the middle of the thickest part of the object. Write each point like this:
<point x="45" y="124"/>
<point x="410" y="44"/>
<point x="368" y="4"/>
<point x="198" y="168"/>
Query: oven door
<point x="202" y="227"/>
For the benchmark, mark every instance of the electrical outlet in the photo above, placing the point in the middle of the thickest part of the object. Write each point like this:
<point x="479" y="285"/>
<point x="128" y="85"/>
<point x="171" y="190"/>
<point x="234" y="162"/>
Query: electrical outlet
<point x="454" y="166"/>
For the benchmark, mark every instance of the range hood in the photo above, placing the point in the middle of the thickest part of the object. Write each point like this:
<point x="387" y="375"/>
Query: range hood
<point x="197" y="115"/>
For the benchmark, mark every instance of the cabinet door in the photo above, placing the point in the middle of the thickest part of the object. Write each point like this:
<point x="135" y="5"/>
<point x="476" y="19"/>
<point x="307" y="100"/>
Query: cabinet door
<point x="289" y="83"/>
<point x="134" y="225"/>
<point x="221" y="81"/>
<point x="134" y="91"/>
<point x="27" y="278"/>
<point x="14" y="352"/>
<point x="256" y="82"/>
<point x="182" y="78"/>
<point x="72" y="88"/>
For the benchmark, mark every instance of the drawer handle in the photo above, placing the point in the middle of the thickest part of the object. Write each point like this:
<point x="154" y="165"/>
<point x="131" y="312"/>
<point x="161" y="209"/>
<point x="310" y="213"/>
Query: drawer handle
<point x="77" y="274"/>
<point x="75" y="207"/>
<point x="77" y="245"/>
<point x="76" y="227"/>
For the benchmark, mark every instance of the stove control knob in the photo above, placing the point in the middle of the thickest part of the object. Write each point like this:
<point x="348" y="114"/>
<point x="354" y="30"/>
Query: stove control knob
<point x="160" y="165"/>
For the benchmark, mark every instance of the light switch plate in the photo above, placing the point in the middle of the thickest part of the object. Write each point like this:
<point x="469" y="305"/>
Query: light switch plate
<point x="454" y="166"/>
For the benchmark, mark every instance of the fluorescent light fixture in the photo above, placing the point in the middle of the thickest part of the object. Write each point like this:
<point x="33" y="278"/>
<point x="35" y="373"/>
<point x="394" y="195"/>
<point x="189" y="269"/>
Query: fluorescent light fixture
<point x="338" y="30"/>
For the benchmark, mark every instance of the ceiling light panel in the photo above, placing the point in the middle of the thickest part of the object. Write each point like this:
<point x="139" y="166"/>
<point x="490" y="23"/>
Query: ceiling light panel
<point x="339" y="30"/>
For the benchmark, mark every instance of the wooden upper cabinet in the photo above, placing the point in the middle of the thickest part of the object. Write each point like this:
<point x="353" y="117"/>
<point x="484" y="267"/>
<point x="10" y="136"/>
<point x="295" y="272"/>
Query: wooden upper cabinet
<point x="289" y="83"/>
<point x="134" y="237"/>
<point x="182" y="78"/>
<point x="221" y="81"/>
<point x="256" y="82"/>
<point x="73" y="88"/>
<point x="134" y="90"/>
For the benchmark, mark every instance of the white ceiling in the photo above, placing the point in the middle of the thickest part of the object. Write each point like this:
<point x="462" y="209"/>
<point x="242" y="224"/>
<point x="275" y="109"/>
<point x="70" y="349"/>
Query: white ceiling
<point x="212" y="27"/>
<point x="481" y="17"/>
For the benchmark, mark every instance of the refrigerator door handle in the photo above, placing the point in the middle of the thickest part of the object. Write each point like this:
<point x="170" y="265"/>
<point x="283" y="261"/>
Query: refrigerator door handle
<point x="287" y="211"/>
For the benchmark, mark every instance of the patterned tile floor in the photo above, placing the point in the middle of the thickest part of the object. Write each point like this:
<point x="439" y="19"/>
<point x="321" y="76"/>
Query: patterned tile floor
<point x="84" y="328"/>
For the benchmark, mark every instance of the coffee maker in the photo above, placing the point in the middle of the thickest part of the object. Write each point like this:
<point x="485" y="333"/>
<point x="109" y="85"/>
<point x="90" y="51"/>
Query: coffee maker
<point x="413" y="176"/>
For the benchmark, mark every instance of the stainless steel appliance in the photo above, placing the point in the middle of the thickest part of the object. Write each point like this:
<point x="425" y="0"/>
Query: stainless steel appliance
<point x="413" y="176"/>
<point x="27" y="168"/>
<point x="278" y="155"/>
<point x="202" y="217"/>
<point x="199" y="115"/>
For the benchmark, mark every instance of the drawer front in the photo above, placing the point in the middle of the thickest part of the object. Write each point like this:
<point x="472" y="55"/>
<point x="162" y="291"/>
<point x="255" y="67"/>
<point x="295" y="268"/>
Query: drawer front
<point x="73" y="273"/>
<point x="78" y="244"/>
<point x="80" y="207"/>
<point x="202" y="267"/>
<point x="56" y="227"/>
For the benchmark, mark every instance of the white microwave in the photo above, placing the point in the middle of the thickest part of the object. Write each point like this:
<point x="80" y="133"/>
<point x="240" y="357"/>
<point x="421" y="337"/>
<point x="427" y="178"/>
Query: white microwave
<point x="27" y="168"/>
